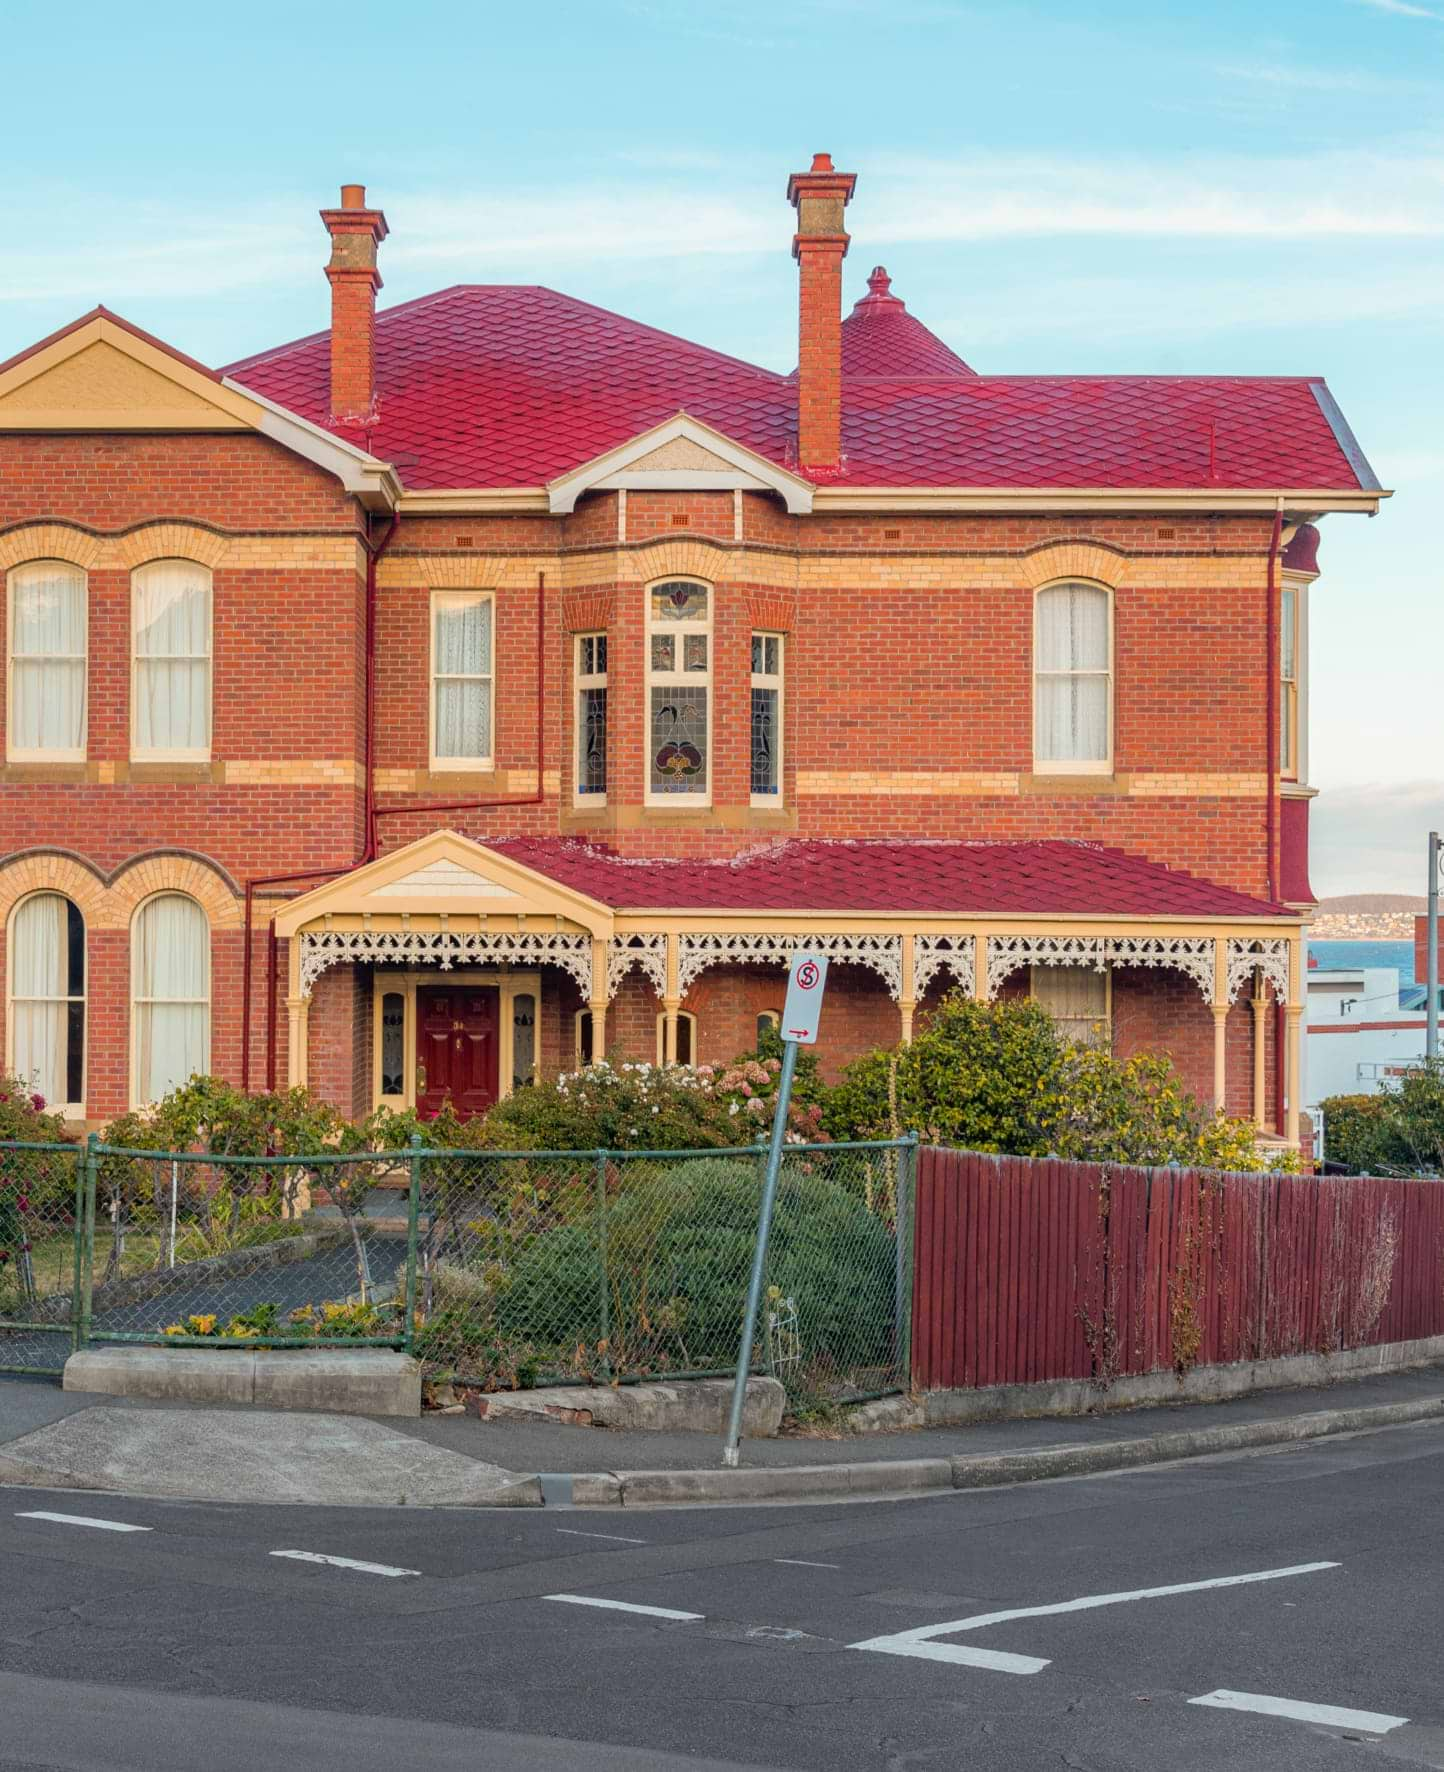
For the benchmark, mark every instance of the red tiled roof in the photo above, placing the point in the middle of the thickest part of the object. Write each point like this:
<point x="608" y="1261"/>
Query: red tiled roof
<point x="491" y="385"/>
<point x="1055" y="877"/>
<point x="881" y="338"/>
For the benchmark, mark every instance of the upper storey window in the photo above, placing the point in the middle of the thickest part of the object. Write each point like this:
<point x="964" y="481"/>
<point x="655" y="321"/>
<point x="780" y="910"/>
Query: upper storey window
<point x="172" y="661"/>
<point x="462" y="680"/>
<point x="1073" y="679"/>
<point x="679" y="693"/>
<point x="592" y="718"/>
<point x="767" y="719"/>
<point x="47" y="662"/>
<point x="1289" y="682"/>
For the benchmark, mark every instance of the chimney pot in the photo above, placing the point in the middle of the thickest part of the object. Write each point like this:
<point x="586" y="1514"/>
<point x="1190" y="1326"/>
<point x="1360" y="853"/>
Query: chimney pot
<point x="353" y="196"/>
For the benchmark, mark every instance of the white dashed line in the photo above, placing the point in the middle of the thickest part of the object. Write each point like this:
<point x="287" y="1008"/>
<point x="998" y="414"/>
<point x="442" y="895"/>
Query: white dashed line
<point x="615" y="1537"/>
<point x="84" y="1520"/>
<point x="343" y="1563"/>
<point x="920" y="1641"/>
<point x="626" y="1606"/>
<point x="802" y="1563"/>
<point x="1370" y="1722"/>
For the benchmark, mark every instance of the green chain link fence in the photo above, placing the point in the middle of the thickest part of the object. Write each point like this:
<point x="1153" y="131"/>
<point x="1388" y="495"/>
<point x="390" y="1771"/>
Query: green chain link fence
<point x="505" y="1269"/>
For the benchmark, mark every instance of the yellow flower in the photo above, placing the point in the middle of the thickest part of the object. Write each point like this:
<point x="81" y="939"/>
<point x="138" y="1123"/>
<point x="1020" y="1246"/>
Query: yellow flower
<point x="176" y="1329"/>
<point x="203" y="1325"/>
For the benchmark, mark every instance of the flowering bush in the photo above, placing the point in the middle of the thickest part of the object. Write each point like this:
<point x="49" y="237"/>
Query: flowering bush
<point x="624" y="1106"/>
<point x="330" y="1321"/>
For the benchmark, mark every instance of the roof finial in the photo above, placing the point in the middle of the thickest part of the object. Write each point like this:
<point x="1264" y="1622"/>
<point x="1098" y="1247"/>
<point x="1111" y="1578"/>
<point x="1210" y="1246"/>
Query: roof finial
<point x="879" y="283"/>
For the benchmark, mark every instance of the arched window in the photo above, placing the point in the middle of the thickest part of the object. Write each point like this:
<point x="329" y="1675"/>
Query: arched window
<point x="686" y="1037"/>
<point x="768" y="1020"/>
<point x="1073" y="679"/>
<point x="47" y="998"/>
<point x="171" y="689"/>
<point x="679" y="693"/>
<point x="47" y="662"/>
<point x="170" y="994"/>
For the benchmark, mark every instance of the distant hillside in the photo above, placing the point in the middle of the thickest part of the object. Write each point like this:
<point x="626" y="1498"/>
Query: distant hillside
<point x="1367" y="916"/>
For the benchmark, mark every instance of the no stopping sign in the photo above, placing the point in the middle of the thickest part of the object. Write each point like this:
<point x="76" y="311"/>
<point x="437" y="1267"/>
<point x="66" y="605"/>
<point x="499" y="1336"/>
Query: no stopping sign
<point x="803" y="1008"/>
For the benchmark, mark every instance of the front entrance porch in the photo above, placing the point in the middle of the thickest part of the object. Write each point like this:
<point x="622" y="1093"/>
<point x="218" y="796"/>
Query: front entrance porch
<point x="486" y="967"/>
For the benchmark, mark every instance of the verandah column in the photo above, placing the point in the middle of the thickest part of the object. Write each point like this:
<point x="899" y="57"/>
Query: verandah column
<point x="1220" y="1023"/>
<point x="907" y="1002"/>
<point x="671" y="1004"/>
<point x="1294" y="1014"/>
<point x="1260" y="1043"/>
<point x="298" y="1015"/>
<point x="598" y="1001"/>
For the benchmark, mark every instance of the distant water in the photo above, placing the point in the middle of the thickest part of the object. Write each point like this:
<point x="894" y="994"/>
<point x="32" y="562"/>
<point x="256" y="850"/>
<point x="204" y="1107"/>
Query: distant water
<point x="1398" y="954"/>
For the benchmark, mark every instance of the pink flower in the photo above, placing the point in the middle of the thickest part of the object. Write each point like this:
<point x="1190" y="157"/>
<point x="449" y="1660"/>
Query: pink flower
<point x="747" y="1089"/>
<point x="38" y="1103"/>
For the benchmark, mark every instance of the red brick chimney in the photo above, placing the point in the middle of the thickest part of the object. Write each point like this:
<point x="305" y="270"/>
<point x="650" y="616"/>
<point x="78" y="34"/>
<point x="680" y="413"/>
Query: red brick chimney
<point x="356" y="232"/>
<point x="819" y="196"/>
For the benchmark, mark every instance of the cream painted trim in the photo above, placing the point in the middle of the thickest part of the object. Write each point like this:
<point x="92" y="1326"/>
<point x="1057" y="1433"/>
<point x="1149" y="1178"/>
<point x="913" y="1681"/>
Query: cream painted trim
<point x="1306" y="501"/>
<point x="483" y="501"/>
<point x="70" y="1110"/>
<point x="452" y="765"/>
<point x="130" y="994"/>
<point x="611" y="469"/>
<point x="678" y="1017"/>
<point x="375" y="482"/>
<point x="528" y="894"/>
<point x="199" y="754"/>
<point x="1061" y="766"/>
<point x="405" y="982"/>
<point x="29" y="753"/>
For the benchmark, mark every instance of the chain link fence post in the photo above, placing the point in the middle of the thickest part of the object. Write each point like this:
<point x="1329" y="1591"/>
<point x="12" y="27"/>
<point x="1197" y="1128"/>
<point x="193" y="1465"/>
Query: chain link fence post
<point x="87" y="1278"/>
<point x="78" y="1254"/>
<point x="903" y="1230"/>
<point x="604" y="1314"/>
<point x="413" y="1221"/>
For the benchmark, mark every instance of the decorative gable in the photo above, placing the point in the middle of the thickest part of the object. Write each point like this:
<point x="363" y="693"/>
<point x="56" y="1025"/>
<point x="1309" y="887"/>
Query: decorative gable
<point x="443" y="879"/>
<point x="682" y="455"/>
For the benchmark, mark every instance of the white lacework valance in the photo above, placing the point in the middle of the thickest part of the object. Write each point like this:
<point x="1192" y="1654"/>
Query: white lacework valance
<point x="1270" y="954"/>
<point x="883" y="953"/>
<point x="936" y="953"/>
<point x="445" y="948"/>
<point x="1192" y="955"/>
<point x="647" y="952"/>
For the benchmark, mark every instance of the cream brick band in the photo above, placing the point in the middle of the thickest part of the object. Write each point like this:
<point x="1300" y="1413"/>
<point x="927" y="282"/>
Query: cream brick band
<point x="461" y="783"/>
<point x="945" y="784"/>
<point x="185" y="541"/>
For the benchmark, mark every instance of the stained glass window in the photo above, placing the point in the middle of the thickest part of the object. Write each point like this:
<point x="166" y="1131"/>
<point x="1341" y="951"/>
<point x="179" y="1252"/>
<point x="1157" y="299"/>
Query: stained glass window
<point x="523" y="1040"/>
<point x="767" y="718"/>
<point x="679" y="702"/>
<point x="591" y="716"/>
<point x="393" y="1048"/>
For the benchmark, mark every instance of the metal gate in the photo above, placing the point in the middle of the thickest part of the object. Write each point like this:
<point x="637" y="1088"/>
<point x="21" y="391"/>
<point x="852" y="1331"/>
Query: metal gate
<point x="42" y="1212"/>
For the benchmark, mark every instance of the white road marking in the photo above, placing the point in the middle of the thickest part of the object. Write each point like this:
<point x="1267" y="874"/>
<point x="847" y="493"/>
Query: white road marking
<point x="85" y="1520"/>
<point x="802" y="1563"/>
<point x="343" y="1563"/>
<point x="1371" y="1722"/>
<point x="919" y="1641"/>
<point x="626" y="1606"/>
<point x="615" y="1537"/>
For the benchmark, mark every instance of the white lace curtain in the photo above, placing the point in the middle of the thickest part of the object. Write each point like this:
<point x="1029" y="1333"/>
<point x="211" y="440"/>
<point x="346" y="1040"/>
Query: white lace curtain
<point x="173" y="658"/>
<point x="47" y="678"/>
<point x="1073" y="664"/>
<point x="39" y="994"/>
<point x="461" y="655"/>
<point x="170" y="993"/>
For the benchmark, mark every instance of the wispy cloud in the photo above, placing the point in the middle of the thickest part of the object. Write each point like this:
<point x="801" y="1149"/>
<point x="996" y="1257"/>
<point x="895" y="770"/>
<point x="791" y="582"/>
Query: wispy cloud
<point x="1283" y="78"/>
<point x="1370" y="837"/>
<point x="1402" y="9"/>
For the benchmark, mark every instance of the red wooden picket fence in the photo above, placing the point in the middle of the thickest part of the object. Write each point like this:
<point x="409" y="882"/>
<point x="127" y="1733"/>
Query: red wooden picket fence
<point x="1028" y="1269"/>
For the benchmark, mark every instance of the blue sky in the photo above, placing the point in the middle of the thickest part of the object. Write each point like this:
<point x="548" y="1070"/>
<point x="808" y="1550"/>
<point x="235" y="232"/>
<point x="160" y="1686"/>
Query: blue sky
<point x="1110" y="187"/>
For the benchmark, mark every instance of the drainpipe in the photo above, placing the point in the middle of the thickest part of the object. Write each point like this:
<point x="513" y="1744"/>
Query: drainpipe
<point x="1271" y="806"/>
<point x="372" y="812"/>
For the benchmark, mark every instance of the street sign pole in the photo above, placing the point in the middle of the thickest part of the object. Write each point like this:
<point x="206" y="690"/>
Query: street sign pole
<point x="800" y="1015"/>
<point x="1431" y="953"/>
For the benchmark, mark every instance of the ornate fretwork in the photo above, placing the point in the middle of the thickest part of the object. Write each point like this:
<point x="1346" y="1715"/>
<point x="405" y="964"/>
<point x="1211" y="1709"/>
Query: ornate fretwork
<point x="1192" y="955"/>
<point x="648" y="952"/>
<point x="1270" y="953"/>
<point x="936" y="953"/>
<point x="445" y="948"/>
<point x="883" y="953"/>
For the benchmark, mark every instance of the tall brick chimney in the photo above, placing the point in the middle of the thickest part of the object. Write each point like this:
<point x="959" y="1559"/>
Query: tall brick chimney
<point x="820" y="244"/>
<point x="356" y="232"/>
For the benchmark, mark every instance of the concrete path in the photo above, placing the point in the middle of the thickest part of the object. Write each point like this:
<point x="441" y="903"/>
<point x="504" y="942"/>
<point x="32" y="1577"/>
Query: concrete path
<point x="77" y="1441"/>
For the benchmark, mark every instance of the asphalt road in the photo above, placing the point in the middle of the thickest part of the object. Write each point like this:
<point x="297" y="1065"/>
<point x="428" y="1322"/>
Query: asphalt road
<point x="193" y="1644"/>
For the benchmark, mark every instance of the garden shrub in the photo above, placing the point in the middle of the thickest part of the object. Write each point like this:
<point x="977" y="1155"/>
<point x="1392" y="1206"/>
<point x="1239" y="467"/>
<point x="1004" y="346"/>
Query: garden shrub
<point x="679" y="1250"/>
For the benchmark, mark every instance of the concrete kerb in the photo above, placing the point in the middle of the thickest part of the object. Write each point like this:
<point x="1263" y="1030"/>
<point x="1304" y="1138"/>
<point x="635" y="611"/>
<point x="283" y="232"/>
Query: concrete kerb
<point x="914" y="1476"/>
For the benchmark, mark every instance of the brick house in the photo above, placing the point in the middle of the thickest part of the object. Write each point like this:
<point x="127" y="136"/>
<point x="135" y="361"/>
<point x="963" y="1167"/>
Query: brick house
<point x="493" y="680"/>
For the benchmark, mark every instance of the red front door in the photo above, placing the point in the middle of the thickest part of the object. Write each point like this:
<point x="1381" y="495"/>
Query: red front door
<point x="458" y="1040"/>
